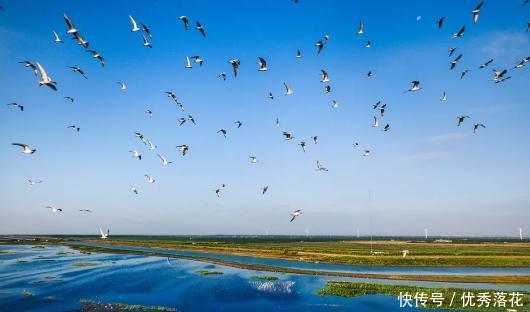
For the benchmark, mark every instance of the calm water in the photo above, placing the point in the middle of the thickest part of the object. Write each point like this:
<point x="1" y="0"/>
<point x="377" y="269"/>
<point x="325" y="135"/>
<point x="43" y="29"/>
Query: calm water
<point x="153" y="281"/>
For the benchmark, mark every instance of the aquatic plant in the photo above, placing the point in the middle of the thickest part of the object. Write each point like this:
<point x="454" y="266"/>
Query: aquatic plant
<point x="266" y="278"/>
<point x="88" y="305"/>
<point x="85" y="264"/>
<point x="206" y="272"/>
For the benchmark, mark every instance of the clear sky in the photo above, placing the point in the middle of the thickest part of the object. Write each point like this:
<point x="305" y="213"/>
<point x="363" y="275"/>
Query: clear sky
<point x="424" y="173"/>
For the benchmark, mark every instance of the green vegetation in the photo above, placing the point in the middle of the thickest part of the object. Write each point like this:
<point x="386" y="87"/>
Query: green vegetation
<point x="39" y="246"/>
<point x="353" y="289"/>
<point x="264" y="278"/>
<point x="88" y="305"/>
<point x="85" y="264"/>
<point x="207" y="272"/>
<point x="64" y="252"/>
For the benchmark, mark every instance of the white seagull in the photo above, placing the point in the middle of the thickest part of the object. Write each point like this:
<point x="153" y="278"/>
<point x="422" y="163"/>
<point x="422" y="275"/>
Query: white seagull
<point x="56" y="38"/>
<point x="262" y="64"/>
<point x="320" y="167"/>
<point x="34" y="182"/>
<point x="103" y="234"/>
<point x="16" y="105"/>
<point x="295" y="214"/>
<point x="25" y="148"/>
<point x="122" y="85"/>
<point x="253" y="159"/>
<point x="288" y="90"/>
<point x="54" y="209"/>
<point x="45" y="79"/>
<point x="149" y="178"/>
<point x="134" y="25"/>
<point x="164" y="160"/>
<point x="136" y="153"/>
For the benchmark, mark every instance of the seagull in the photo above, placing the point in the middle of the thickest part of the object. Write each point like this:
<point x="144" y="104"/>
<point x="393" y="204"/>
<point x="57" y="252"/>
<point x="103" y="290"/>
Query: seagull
<point x="133" y="189"/>
<point x="95" y="54"/>
<point x="217" y="192"/>
<point x="486" y="64"/>
<point x="464" y="72"/>
<point x="69" y="98"/>
<point x="369" y="74"/>
<point x="327" y="89"/>
<point x="164" y="160"/>
<point x="334" y="104"/>
<point x="288" y="135"/>
<point x="122" y="85"/>
<point x="45" y="79"/>
<point x="460" y="33"/>
<point x="320" y="45"/>
<point x="270" y="96"/>
<point x="366" y="153"/>
<point x="455" y="61"/>
<point x="136" y="153"/>
<point x="415" y="86"/>
<point x="201" y="29"/>
<point x="298" y="54"/>
<point x="476" y="127"/>
<point x="355" y="144"/>
<point x="133" y="23"/>
<point x="386" y="128"/>
<point x="149" y="113"/>
<point x="262" y="64"/>
<point x="197" y="59"/>
<point x="235" y="63"/>
<point x="320" y="167"/>
<point x="188" y="62"/>
<point x="461" y="119"/>
<point x="451" y="51"/>
<point x="302" y="145"/>
<point x="264" y="189"/>
<point x="103" y="234"/>
<point x="222" y="75"/>
<point x="277" y="122"/>
<point x="146" y="30"/>
<point x="361" y="28"/>
<point x="184" y="20"/>
<point x="376" y="122"/>
<point x="326" y="37"/>
<point x="56" y="38"/>
<point x="33" y="182"/>
<point x="30" y="65"/>
<point x="223" y="131"/>
<point x="476" y="11"/>
<point x="324" y="75"/>
<point x="522" y="63"/>
<point x="376" y="104"/>
<point x="444" y="97"/>
<point x="499" y="74"/>
<point x="146" y="42"/>
<point x="77" y="69"/>
<point x="368" y="44"/>
<point x="54" y="209"/>
<point x="71" y="27"/>
<point x="74" y="127"/>
<point x="253" y="159"/>
<point x="85" y="210"/>
<point x="25" y="148"/>
<point x="382" y="110"/>
<point x="16" y="105"/>
<point x="183" y="149"/>
<point x="441" y="22"/>
<point x="238" y="124"/>
<point x="288" y="90"/>
<point x="190" y="118"/>
<point x="315" y="139"/>
<point x="182" y="120"/>
<point x="150" y="145"/>
<point x="503" y="79"/>
<point x="295" y="214"/>
<point x="149" y="178"/>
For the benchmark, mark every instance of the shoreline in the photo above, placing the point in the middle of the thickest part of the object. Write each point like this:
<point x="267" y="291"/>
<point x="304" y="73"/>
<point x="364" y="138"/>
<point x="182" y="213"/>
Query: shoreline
<point x="506" y="279"/>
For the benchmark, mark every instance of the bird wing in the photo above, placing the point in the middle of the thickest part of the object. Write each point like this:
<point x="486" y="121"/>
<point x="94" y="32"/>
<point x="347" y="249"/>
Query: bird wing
<point x="133" y="22"/>
<point x="42" y="72"/>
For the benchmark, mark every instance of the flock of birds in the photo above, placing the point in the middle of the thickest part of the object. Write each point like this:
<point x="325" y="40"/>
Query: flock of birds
<point x="499" y="76"/>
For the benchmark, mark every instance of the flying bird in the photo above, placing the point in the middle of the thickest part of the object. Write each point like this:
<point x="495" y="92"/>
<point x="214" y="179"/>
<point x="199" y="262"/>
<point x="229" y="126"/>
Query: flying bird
<point x="185" y="21"/>
<point x="85" y="210"/>
<point x="366" y="153"/>
<point x="238" y="124"/>
<point x="334" y="104"/>
<point x="315" y="139"/>
<point x="104" y="235"/>
<point x="149" y="178"/>
<point x="146" y="30"/>
<point x="270" y="96"/>
<point x="82" y="42"/>
<point x="25" y="148"/>
<point x="288" y="135"/>
<point x="98" y="56"/>
<point x="277" y="124"/>
<point x="164" y="160"/>
<point x="262" y="64"/>
<point x="486" y="64"/>
<point x="324" y="75"/>
<point x="149" y="113"/>
<point x="133" y="189"/>
<point x="188" y="62"/>
<point x="69" y="98"/>
<point x="54" y="209"/>
<point x="201" y="29"/>
<point x="444" y="97"/>
<point x="386" y="128"/>
<point x="298" y="54"/>
<point x="451" y="51"/>
<point x="327" y="89"/>
<point x="368" y="44"/>
<point x="455" y="61"/>
<point x="476" y="11"/>
<point x="146" y="42"/>
<point x="361" y="28"/>
<point x="136" y="154"/>
<point x="476" y="127"/>
<point x="460" y="33"/>
<point x="190" y="118"/>
<point x="320" y="167"/>
<point x="461" y="119"/>
<point x="288" y="90"/>
<point x="122" y="85"/>
<point x="34" y="182"/>
<point x="253" y="159"/>
<point x="16" y="105"/>
<point x="71" y="27"/>
<point x="464" y="72"/>
<point x="74" y="127"/>
<point x="222" y="75"/>
<point x="222" y="131"/>
<point x="441" y="22"/>
<point x="45" y="79"/>
<point x="295" y="214"/>
<point x="499" y="74"/>
<point x="302" y="145"/>
<point x="197" y="60"/>
<point x="56" y="38"/>
<point x="77" y="69"/>
<point x="182" y="121"/>
<point x="376" y="122"/>
<point x="382" y="110"/>
<point x="320" y="45"/>
<point x="415" y="86"/>
<point x="134" y="25"/>
<point x="183" y="149"/>
<point x="235" y="64"/>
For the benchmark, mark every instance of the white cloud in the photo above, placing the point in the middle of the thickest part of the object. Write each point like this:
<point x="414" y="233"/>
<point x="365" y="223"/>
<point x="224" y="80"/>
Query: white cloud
<point x="448" y="137"/>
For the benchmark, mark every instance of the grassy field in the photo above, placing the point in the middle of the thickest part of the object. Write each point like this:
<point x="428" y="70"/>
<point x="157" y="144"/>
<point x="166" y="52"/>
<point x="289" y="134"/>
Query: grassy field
<point x="353" y="289"/>
<point x="359" y="252"/>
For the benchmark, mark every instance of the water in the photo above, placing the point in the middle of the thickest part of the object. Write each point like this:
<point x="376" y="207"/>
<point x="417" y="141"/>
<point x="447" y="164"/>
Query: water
<point x="152" y="281"/>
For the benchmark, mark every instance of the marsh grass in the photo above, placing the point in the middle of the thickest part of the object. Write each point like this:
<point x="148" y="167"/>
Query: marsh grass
<point x="207" y="272"/>
<point x="85" y="264"/>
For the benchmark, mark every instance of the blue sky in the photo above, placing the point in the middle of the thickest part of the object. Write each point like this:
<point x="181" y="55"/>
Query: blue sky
<point x="424" y="173"/>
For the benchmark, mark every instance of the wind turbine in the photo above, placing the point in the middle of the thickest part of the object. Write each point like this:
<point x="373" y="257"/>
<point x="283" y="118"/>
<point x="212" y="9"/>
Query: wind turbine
<point x="521" y="233"/>
<point x="426" y="234"/>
